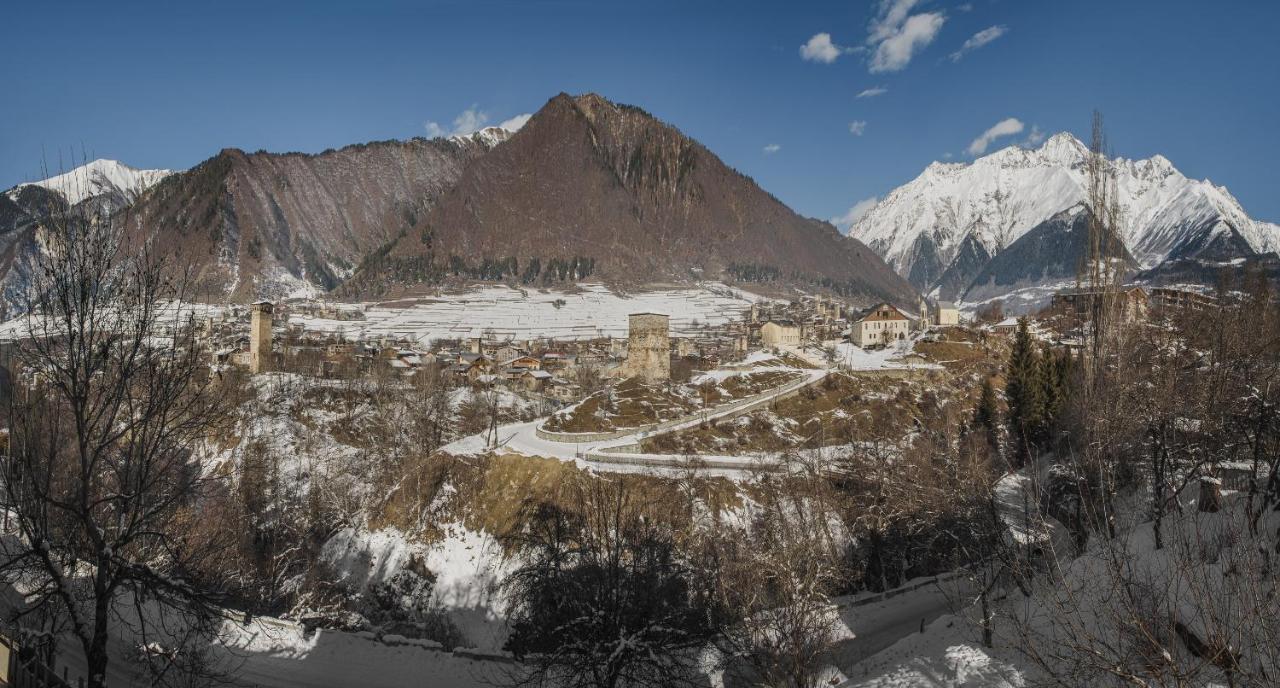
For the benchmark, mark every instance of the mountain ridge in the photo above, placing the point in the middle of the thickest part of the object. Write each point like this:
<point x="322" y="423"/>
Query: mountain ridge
<point x="98" y="178"/>
<point x="274" y="225"/>
<point x="921" y="226"/>
<point x="585" y="189"/>
<point x="590" y="182"/>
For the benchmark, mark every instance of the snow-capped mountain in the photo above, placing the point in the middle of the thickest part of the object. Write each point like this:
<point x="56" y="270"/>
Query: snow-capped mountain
<point x="955" y="211"/>
<point x="487" y="137"/>
<point x="99" y="178"/>
<point x="107" y="184"/>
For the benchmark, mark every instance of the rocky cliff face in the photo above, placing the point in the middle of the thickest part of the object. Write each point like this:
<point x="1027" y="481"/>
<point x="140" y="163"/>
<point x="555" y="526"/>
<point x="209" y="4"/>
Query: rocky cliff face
<point x="1052" y="252"/>
<point x="592" y="188"/>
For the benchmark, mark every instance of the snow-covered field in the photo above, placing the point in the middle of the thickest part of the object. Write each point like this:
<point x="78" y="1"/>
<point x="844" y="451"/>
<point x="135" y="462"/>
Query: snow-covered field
<point x="169" y="315"/>
<point x="851" y="357"/>
<point x="507" y="313"/>
<point x="1020" y="300"/>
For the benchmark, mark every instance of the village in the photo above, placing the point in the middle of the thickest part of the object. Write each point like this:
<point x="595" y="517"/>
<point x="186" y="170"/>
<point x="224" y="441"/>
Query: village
<point x="812" y="394"/>
<point x="267" y="336"/>
<point x="639" y="345"/>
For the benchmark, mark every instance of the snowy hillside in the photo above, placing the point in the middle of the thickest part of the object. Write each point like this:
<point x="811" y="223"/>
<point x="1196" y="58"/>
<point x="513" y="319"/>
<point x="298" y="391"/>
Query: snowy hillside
<point x="919" y="227"/>
<point x="102" y="177"/>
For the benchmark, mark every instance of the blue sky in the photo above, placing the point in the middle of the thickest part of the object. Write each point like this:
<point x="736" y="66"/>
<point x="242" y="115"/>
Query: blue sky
<point x="170" y="84"/>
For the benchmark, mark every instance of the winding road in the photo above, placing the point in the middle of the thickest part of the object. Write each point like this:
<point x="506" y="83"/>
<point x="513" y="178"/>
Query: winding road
<point x="523" y="439"/>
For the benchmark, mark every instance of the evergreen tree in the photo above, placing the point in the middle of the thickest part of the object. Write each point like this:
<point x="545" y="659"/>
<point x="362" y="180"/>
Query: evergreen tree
<point x="986" y="417"/>
<point x="1057" y="373"/>
<point x="1024" y="392"/>
<point x="1052" y="397"/>
<point x="1047" y="397"/>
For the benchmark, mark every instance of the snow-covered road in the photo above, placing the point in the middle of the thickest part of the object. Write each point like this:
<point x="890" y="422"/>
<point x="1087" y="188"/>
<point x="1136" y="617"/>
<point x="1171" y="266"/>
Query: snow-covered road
<point x="879" y="625"/>
<point x="273" y="654"/>
<point x="523" y="439"/>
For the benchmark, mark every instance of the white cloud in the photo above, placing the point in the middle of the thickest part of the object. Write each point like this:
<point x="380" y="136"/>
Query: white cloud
<point x="468" y="121"/>
<point x="872" y="92"/>
<point x="857" y="127"/>
<point x="1005" y="127"/>
<point x="1035" y="136"/>
<point x="979" y="39"/>
<point x="513" y="125"/>
<point x="895" y="50"/>
<point x="820" y="49"/>
<point x="772" y="148"/>
<point x="966" y="7"/>
<point x="851" y="217"/>
<point x="889" y="19"/>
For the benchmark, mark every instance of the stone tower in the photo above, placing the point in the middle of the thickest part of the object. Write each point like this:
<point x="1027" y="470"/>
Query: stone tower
<point x="649" y="346"/>
<point x="260" y="336"/>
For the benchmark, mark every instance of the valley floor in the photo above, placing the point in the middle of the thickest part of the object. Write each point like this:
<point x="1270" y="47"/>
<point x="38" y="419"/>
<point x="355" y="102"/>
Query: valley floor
<point x="587" y="312"/>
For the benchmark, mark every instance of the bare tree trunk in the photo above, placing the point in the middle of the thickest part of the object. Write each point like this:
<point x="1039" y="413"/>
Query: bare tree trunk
<point x="95" y="651"/>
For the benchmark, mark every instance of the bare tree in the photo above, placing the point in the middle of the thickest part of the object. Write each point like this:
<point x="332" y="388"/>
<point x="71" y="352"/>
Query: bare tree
<point x="1102" y="272"/>
<point x="107" y="424"/>
<point x="1194" y="613"/>
<point x="603" y="598"/>
<point x="1170" y="595"/>
<point x="775" y="581"/>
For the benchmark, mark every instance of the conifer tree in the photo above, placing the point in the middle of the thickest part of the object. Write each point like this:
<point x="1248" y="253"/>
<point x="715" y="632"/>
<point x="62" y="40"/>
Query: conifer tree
<point x="1047" y="397"/>
<point x="1055" y="381"/>
<point x="986" y="417"/>
<point x="1024" y="392"/>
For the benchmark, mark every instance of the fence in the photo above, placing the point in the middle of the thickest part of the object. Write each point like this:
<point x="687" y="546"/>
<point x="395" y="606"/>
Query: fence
<point x="630" y="455"/>
<point x="900" y="590"/>
<point x="26" y="672"/>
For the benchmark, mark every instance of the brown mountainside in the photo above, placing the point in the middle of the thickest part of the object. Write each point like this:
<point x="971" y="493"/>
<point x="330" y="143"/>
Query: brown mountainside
<point x="264" y="224"/>
<point x="591" y="188"/>
<point x="586" y="189"/>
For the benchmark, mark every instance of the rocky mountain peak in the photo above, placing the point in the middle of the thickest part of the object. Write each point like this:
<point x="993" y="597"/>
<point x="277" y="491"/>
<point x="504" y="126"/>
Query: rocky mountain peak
<point x="589" y="182"/>
<point x="920" y="227"/>
<point x="100" y="178"/>
<point x="1063" y="148"/>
